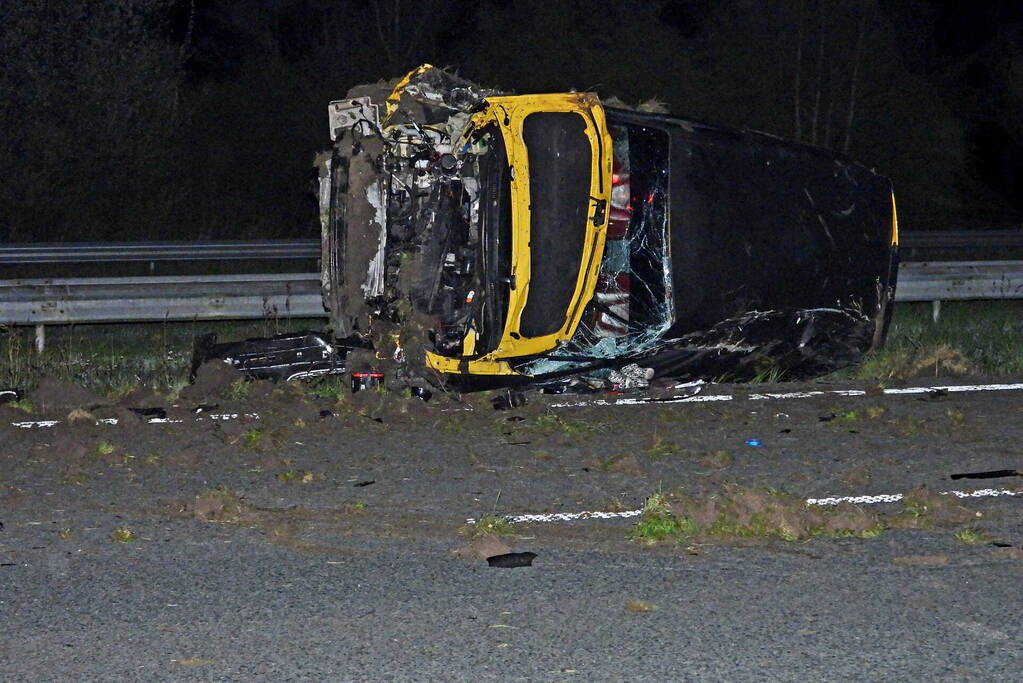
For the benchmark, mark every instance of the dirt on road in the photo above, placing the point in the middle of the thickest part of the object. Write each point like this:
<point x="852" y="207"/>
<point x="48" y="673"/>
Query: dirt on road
<point x="301" y="468"/>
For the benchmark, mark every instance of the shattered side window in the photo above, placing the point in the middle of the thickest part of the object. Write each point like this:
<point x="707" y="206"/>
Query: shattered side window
<point x="632" y="306"/>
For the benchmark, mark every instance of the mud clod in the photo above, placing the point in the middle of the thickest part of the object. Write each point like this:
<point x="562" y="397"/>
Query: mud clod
<point x="220" y="505"/>
<point x="924" y="509"/>
<point x="213" y="380"/>
<point x="55" y="396"/>
<point x="483" y="547"/>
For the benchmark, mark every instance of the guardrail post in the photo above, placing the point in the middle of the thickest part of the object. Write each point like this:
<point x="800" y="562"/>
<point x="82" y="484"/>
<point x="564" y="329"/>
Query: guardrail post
<point x="935" y="310"/>
<point x="40" y="338"/>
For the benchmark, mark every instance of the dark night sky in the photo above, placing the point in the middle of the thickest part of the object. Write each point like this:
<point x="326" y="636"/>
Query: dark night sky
<point x="201" y="119"/>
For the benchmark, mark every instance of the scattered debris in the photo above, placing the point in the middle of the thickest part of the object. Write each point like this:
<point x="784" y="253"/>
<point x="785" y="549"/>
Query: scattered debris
<point x="992" y="474"/>
<point x="366" y="380"/>
<point x="640" y="606"/>
<point x="922" y="561"/>
<point x="122" y="535"/>
<point x="150" y="413"/>
<point x="508" y="400"/>
<point x="512" y="560"/>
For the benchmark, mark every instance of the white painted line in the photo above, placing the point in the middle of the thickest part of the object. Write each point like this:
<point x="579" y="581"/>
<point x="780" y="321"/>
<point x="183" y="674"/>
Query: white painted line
<point x="896" y="497"/>
<point x="704" y="398"/>
<point x="629" y="401"/>
<point x="223" y="417"/>
<point x="856" y="500"/>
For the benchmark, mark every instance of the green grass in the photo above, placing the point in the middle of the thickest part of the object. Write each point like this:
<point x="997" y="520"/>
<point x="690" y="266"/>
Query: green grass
<point x="987" y="334"/>
<point x="972" y="536"/>
<point x="116" y="358"/>
<point x="659" y="522"/>
<point x="662" y="448"/>
<point x="491" y="524"/>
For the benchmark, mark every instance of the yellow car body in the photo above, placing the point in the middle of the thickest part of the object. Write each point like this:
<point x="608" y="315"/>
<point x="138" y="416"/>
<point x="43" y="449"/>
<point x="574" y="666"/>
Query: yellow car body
<point x="509" y="113"/>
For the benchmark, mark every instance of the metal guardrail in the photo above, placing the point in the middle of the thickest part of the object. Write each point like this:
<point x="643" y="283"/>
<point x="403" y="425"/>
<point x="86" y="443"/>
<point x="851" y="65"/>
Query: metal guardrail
<point x="213" y="297"/>
<point x="92" y="252"/>
<point x="956" y="280"/>
<point x="57" y="301"/>
<point x="86" y="252"/>
<point x="159" y="298"/>
<point x="962" y="239"/>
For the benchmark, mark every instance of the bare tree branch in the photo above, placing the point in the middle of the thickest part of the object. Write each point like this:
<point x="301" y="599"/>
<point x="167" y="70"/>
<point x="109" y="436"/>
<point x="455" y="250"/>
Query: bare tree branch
<point x="855" y="76"/>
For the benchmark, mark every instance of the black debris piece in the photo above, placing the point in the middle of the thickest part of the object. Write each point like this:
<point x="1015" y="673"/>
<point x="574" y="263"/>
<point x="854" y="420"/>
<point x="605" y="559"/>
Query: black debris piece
<point x="934" y="395"/>
<point x="508" y="399"/>
<point x="991" y="474"/>
<point x="9" y="395"/>
<point x="512" y="560"/>
<point x="298" y="355"/>
<point x="360" y="484"/>
<point x="150" y="413"/>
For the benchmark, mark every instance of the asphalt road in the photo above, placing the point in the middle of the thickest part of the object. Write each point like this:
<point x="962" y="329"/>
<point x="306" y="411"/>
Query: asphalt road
<point x="328" y="581"/>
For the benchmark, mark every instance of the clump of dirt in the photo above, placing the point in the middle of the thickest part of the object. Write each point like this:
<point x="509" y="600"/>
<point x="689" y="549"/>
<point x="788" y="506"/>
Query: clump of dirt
<point x="220" y="505"/>
<point x="926" y="509"/>
<point x="67" y="445"/>
<point x="927" y="361"/>
<point x="857" y="477"/>
<point x="716" y="460"/>
<point x="10" y="414"/>
<point x="141" y="397"/>
<point x="52" y="395"/>
<point x="934" y="361"/>
<point x="624" y="464"/>
<point x="212" y="381"/>
<point x="483" y="547"/>
<point x="386" y="406"/>
<point x="922" y="561"/>
<point x="745" y="512"/>
<point x="739" y="512"/>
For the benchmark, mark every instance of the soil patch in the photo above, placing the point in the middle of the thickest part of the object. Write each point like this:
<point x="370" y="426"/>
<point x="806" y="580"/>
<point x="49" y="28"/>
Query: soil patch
<point x="483" y="547"/>
<point x="925" y="509"/>
<point x="52" y="395"/>
<point x="741" y="512"/>
<point x="212" y="380"/>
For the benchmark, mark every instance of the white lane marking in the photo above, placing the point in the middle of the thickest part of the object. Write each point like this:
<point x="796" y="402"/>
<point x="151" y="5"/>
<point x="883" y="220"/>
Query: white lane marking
<point x="689" y="398"/>
<point x="896" y="497"/>
<point x="704" y="398"/>
<point x="856" y="500"/>
<point x="39" y="424"/>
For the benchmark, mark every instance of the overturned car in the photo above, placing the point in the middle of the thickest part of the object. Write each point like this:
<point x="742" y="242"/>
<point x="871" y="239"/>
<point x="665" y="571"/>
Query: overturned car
<point x="478" y="239"/>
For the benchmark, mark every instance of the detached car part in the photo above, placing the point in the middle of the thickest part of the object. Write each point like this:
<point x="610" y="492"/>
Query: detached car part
<point x="300" y="355"/>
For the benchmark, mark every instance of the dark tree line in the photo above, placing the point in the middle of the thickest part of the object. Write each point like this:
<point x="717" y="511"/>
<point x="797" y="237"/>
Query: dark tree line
<point x="183" y="119"/>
